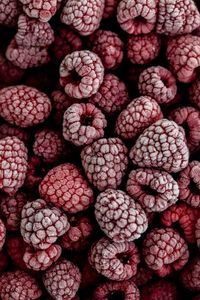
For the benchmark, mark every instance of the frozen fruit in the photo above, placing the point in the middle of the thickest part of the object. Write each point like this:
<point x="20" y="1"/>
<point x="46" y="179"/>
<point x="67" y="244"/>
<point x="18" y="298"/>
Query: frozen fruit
<point x="143" y="275"/>
<point x="2" y="234"/>
<point x="9" y="11"/>
<point x="194" y="91"/>
<point x="15" y="247"/>
<point x="9" y="73"/>
<point x="35" y="173"/>
<point x="110" y="8"/>
<point x="90" y="276"/>
<point x="190" y="275"/>
<point x="160" y="290"/>
<point x="10" y="130"/>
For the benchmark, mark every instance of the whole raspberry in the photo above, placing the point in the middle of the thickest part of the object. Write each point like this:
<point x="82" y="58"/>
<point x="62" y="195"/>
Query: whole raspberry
<point x="162" y="145"/>
<point x="109" y="47"/>
<point x="155" y="190"/>
<point x="66" y="188"/>
<point x="81" y="74"/>
<point x="116" y="261"/>
<point x="84" y="16"/>
<point x="35" y="173"/>
<point x="10" y="130"/>
<point x="9" y="11"/>
<point x="13" y="164"/>
<point x="183" y="54"/>
<point x="143" y="275"/>
<point x="2" y="234"/>
<point x="160" y="290"/>
<point x="177" y="17"/>
<point x="190" y="276"/>
<point x="140" y="113"/>
<point x="138" y="16"/>
<point x="62" y="280"/>
<point x="9" y="74"/>
<point x="143" y="49"/>
<point x="197" y="232"/>
<point x="158" y="83"/>
<point x="194" y="91"/>
<point x="164" y="250"/>
<point x="19" y="285"/>
<point x="110" y="8"/>
<point x="105" y="162"/>
<point x="119" y="216"/>
<point x="24" y="106"/>
<point x="15" y="247"/>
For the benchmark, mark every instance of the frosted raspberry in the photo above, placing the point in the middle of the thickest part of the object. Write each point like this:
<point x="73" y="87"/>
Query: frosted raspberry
<point x="90" y="276"/>
<point x="137" y="17"/>
<point x="83" y="123"/>
<point x="9" y="130"/>
<point x="9" y="11"/>
<point x="158" y="83"/>
<point x="194" y="91"/>
<point x="19" y="285"/>
<point x="35" y="173"/>
<point x="15" y="247"/>
<point x="105" y="162"/>
<point x="143" y="275"/>
<point x="143" y="49"/>
<point x="2" y="234"/>
<point x="116" y="261"/>
<point x="190" y="276"/>
<point x="13" y="164"/>
<point x="140" y="113"/>
<point x="112" y="95"/>
<point x="119" y="216"/>
<point x="160" y="290"/>
<point x="162" y="145"/>
<point x="9" y="73"/>
<point x="109" y="47"/>
<point x="65" y="187"/>
<point x="177" y="17"/>
<point x="164" y="250"/>
<point x="81" y="74"/>
<point x="183" y="54"/>
<point x="4" y="259"/>
<point x="197" y="232"/>
<point x="110" y="8"/>
<point x="24" y="106"/>
<point x="62" y="280"/>
<point x="126" y="290"/>
<point x="189" y="184"/>
<point x="84" y="16"/>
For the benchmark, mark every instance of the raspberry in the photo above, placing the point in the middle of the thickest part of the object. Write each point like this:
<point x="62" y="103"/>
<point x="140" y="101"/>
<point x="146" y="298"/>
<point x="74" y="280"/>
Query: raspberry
<point x="119" y="216"/>
<point x="9" y="11"/>
<point x="116" y="261"/>
<point x="190" y="276"/>
<point x="143" y="49"/>
<point x="105" y="162"/>
<point x="164" y="250"/>
<point x="42" y="225"/>
<point x="62" y="280"/>
<point x="13" y="164"/>
<point x="194" y="91"/>
<point x="143" y="275"/>
<point x="90" y="276"/>
<point x="162" y="145"/>
<point x="9" y="73"/>
<point x="66" y="188"/>
<point x="197" y="232"/>
<point x="137" y="17"/>
<point x="34" y="173"/>
<point x="137" y="116"/>
<point x="110" y="8"/>
<point x="81" y="74"/>
<point x="24" y="106"/>
<point x="15" y="247"/>
<point x="2" y="234"/>
<point x="160" y="290"/>
<point x="154" y="190"/>
<point x="9" y="130"/>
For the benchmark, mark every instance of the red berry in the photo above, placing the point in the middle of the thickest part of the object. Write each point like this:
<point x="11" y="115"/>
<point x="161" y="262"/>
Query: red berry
<point x="160" y="290"/>
<point x="110" y="8"/>
<point x="90" y="276"/>
<point x="9" y="74"/>
<point x="35" y="173"/>
<point x="15" y="247"/>
<point x="143" y="275"/>
<point x="4" y="260"/>
<point x="190" y="276"/>
<point x="194" y="91"/>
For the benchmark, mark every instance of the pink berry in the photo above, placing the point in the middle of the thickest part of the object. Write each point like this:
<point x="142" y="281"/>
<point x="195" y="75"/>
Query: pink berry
<point x="194" y="91"/>
<point x="110" y="8"/>
<point x="15" y="247"/>
<point x="10" y="130"/>
<point x="2" y="234"/>
<point x="105" y="162"/>
<point x="81" y="74"/>
<point x="9" y="73"/>
<point x="190" y="276"/>
<point x="160" y="290"/>
<point x="65" y="187"/>
<point x="9" y="11"/>
<point x="62" y="280"/>
<point x="140" y="113"/>
<point x="162" y="145"/>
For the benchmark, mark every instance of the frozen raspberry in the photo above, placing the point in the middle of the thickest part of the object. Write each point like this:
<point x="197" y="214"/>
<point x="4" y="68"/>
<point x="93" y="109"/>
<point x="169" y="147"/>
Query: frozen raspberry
<point x="9" y="11"/>
<point x="42" y="225"/>
<point x="13" y="164"/>
<point x="177" y="17"/>
<point x="162" y="145"/>
<point x="126" y="290"/>
<point x="3" y="261"/>
<point x="189" y="184"/>
<point x="9" y="74"/>
<point x="35" y="173"/>
<point x="83" y="123"/>
<point x="190" y="276"/>
<point x="160" y="290"/>
<point x="137" y="16"/>
<point x="119" y="216"/>
<point x="183" y="54"/>
<point x="158" y="83"/>
<point x="66" y="188"/>
<point x="116" y="261"/>
<point x="81" y="74"/>
<point x="109" y="47"/>
<point x="110" y="8"/>
<point x="62" y="280"/>
<point x="197" y="232"/>
<point x="24" y="106"/>
<point x="84" y="16"/>
<point x="143" y="275"/>
<point x="164" y="250"/>
<point x="155" y="190"/>
<point x="19" y="285"/>
<point x="40" y="260"/>
<point x="90" y="276"/>
<point x="11" y="207"/>
<point x="137" y="116"/>
<point x="143" y="49"/>
<point x="15" y="247"/>
<point x="9" y="130"/>
<point x="194" y="91"/>
<point x="2" y="234"/>
<point x="105" y="162"/>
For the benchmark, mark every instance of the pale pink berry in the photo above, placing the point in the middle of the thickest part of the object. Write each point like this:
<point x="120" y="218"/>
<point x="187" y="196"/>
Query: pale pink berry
<point x="2" y="234"/>
<point x="24" y="106"/>
<point x="10" y="130"/>
<point x="119" y="216"/>
<point x="9" y="73"/>
<point x="160" y="290"/>
<point x="190" y="276"/>
<point x="162" y="145"/>
<point x="197" y="232"/>
<point x="15" y="246"/>
<point x="81" y="74"/>
<point x="65" y="187"/>
<point x="164" y="251"/>
<point x="116" y="261"/>
<point x="9" y="11"/>
<point x="194" y="91"/>
<point x="110" y="8"/>
<point x="105" y="162"/>
<point x="140" y="113"/>
<point x="62" y="280"/>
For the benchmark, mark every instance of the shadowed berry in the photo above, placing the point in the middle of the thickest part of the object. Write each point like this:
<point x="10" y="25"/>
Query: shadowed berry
<point x="194" y="91"/>
<point x="197" y="232"/>
<point x="110" y="8"/>
<point x="10" y="130"/>
<point x="90" y="276"/>
<point x="35" y="173"/>
<point x="9" y="73"/>
<point x="160" y="290"/>
<point x="3" y="261"/>
<point x="15" y="247"/>
<point x="190" y="276"/>
<point x="143" y="275"/>
<point x="2" y="234"/>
